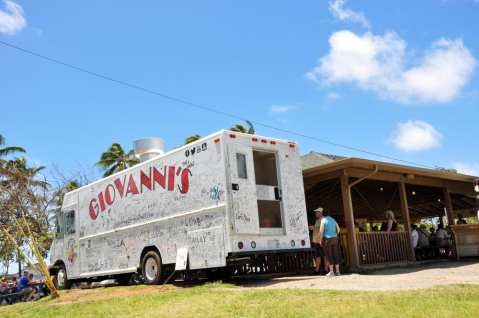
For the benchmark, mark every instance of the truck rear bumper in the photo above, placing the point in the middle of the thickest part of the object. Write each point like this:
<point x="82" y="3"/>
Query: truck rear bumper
<point x="270" y="261"/>
<point x="268" y="252"/>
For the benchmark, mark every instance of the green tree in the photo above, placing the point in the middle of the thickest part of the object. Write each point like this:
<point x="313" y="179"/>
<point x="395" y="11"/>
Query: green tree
<point x="7" y="251"/>
<point x="115" y="159"/>
<point x="24" y="194"/>
<point x="242" y="129"/>
<point x="192" y="138"/>
<point x="16" y="174"/>
<point x="4" y="151"/>
<point x="59" y="194"/>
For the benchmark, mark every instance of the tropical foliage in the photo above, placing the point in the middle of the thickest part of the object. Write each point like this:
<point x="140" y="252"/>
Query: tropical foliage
<point x="242" y="129"/>
<point x="115" y="159"/>
<point x="192" y="138"/>
<point x="8" y="150"/>
<point x="4" y="151"/>
<point x="24" y="195"/>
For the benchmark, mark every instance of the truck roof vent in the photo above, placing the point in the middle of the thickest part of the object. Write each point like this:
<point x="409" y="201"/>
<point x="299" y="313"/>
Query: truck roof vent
<point x="150" y="147"/>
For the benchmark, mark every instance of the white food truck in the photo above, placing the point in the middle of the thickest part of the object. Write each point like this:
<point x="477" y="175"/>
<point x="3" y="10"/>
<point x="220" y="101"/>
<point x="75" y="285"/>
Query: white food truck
<point x="229" y="201"/>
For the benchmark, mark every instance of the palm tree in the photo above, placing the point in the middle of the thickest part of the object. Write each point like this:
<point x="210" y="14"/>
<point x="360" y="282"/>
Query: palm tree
<point x="17" y="172"/>
<point x="22" y="191"/>
<point x="242" y="129"/>
<point x="192" y="138"/>
<point x="72" y="185"/>
<point x="115" y="159"/>
<point x="64" y="189"/>
<point x="7" y="150"/>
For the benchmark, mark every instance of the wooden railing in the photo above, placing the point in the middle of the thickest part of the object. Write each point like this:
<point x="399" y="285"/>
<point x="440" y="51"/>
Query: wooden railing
<point x="383" y="247"/>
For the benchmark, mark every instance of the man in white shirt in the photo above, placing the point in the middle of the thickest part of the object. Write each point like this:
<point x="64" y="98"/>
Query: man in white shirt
<point x="414" y="235"/>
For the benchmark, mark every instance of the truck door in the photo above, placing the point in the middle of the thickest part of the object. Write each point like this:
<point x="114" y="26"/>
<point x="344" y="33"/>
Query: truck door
<point x="268" y="191"/>
<point x="70" y="240"/>
<point x="292" y="192"/>
<point x="243" y="189"/>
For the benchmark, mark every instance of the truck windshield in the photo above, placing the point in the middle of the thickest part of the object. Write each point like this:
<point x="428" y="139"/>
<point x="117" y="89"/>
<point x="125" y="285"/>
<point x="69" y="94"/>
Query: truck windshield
<point x="69" y="222"/>
<point x="59" y="225"/>
<point x="64" y="223"/>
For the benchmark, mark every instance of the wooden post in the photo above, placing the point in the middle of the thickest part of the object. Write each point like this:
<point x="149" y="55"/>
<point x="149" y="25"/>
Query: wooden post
<point x="449" y="208"/>
<point x="407" y="219"/>
<point x="349" y="218"/>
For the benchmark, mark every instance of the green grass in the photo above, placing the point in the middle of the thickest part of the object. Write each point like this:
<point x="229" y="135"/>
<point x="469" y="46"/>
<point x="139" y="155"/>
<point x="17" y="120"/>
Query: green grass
<point x="220" y="300"/>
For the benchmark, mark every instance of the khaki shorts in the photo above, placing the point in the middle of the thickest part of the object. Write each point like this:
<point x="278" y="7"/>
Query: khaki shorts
<point x="331" y="247"/>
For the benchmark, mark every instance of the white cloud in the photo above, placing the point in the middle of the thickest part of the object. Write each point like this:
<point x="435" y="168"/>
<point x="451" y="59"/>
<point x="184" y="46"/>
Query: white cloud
<point x="11" y="18"/>
<point x="332" y="97"/>
<point x="415" y="135"/>
<point x="338" y="10"/>
<point x="471" y="169"/>
<point x="378" y="63"/>
<point x="278" y="109"/>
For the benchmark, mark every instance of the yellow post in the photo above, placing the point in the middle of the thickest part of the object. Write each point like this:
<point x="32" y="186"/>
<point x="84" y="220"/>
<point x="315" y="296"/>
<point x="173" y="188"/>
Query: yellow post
<point x="41" y="262"/>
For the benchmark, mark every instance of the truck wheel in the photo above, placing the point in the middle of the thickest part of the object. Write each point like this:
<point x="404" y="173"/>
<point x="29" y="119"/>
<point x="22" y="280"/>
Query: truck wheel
<point x="151" y="268"/>
<point x="61" y="280"/>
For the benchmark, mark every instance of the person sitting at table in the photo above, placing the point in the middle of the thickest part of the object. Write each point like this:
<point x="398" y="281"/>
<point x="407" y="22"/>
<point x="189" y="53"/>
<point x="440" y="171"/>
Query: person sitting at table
<point x="24" y="286"/>
<point x="31" y="279"/>
<point x="3" y="286"/>
<point x="14" y="282"/>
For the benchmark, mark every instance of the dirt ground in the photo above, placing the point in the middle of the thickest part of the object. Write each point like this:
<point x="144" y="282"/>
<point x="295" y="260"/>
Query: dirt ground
<point x="416" y="277"/>
<point x="81" y="295"/>
<point x="424" y="276"/>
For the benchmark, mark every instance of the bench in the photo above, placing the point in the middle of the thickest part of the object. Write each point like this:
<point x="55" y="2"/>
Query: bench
<point x="12" y="297"/>
<point x="8" y="299"/>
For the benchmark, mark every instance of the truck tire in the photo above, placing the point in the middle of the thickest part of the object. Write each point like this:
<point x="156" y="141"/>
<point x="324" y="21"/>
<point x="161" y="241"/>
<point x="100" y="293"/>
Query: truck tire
<point x="61" y="279"/>
<point x="151" y="268"/>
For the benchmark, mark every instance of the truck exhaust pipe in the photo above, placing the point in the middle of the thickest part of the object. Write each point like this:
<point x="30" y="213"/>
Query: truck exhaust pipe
<point x="148" y="148"/>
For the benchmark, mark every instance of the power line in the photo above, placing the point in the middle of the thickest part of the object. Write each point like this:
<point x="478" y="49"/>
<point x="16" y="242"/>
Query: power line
<point x="200" y="106"/>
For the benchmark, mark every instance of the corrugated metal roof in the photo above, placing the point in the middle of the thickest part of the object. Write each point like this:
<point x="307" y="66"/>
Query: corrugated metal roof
<point x="314" y="159"/>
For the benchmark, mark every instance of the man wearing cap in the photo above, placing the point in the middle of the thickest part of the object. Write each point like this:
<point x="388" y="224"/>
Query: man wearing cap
<point x="318" y="249"/>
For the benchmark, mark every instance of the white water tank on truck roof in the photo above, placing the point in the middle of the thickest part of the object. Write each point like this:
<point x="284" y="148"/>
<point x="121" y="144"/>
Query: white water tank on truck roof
<point x="148" y="148"/>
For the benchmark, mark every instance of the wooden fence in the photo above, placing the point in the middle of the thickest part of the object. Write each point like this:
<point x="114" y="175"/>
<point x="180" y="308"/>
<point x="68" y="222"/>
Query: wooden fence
<point x="382" y="247"/>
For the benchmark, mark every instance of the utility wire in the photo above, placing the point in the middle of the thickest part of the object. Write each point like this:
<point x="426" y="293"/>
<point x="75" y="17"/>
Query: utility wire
<point x="202" y="107"/>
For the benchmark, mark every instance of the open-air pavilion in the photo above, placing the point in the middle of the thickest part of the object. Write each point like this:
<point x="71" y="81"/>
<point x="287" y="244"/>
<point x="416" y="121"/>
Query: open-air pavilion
<point x="359" y="191"/>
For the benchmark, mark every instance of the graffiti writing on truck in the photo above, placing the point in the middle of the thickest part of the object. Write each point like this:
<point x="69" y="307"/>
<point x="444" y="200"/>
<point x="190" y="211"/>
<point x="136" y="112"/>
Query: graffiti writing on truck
<point x="214" y="193"/>
<point x="152" y="180"/>
<point x="71" y="251"/>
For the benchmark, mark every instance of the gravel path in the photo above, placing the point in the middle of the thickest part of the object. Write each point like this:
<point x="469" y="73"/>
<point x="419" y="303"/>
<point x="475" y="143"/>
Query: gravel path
<point x="424" y="276"/>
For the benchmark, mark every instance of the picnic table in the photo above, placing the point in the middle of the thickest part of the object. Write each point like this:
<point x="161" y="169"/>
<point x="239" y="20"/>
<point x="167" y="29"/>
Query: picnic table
<point x="11" y="296"/>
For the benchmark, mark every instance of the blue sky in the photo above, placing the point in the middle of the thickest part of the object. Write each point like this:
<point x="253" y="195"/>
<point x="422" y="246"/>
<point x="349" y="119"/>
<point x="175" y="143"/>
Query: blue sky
<point x="392" y="77"/>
